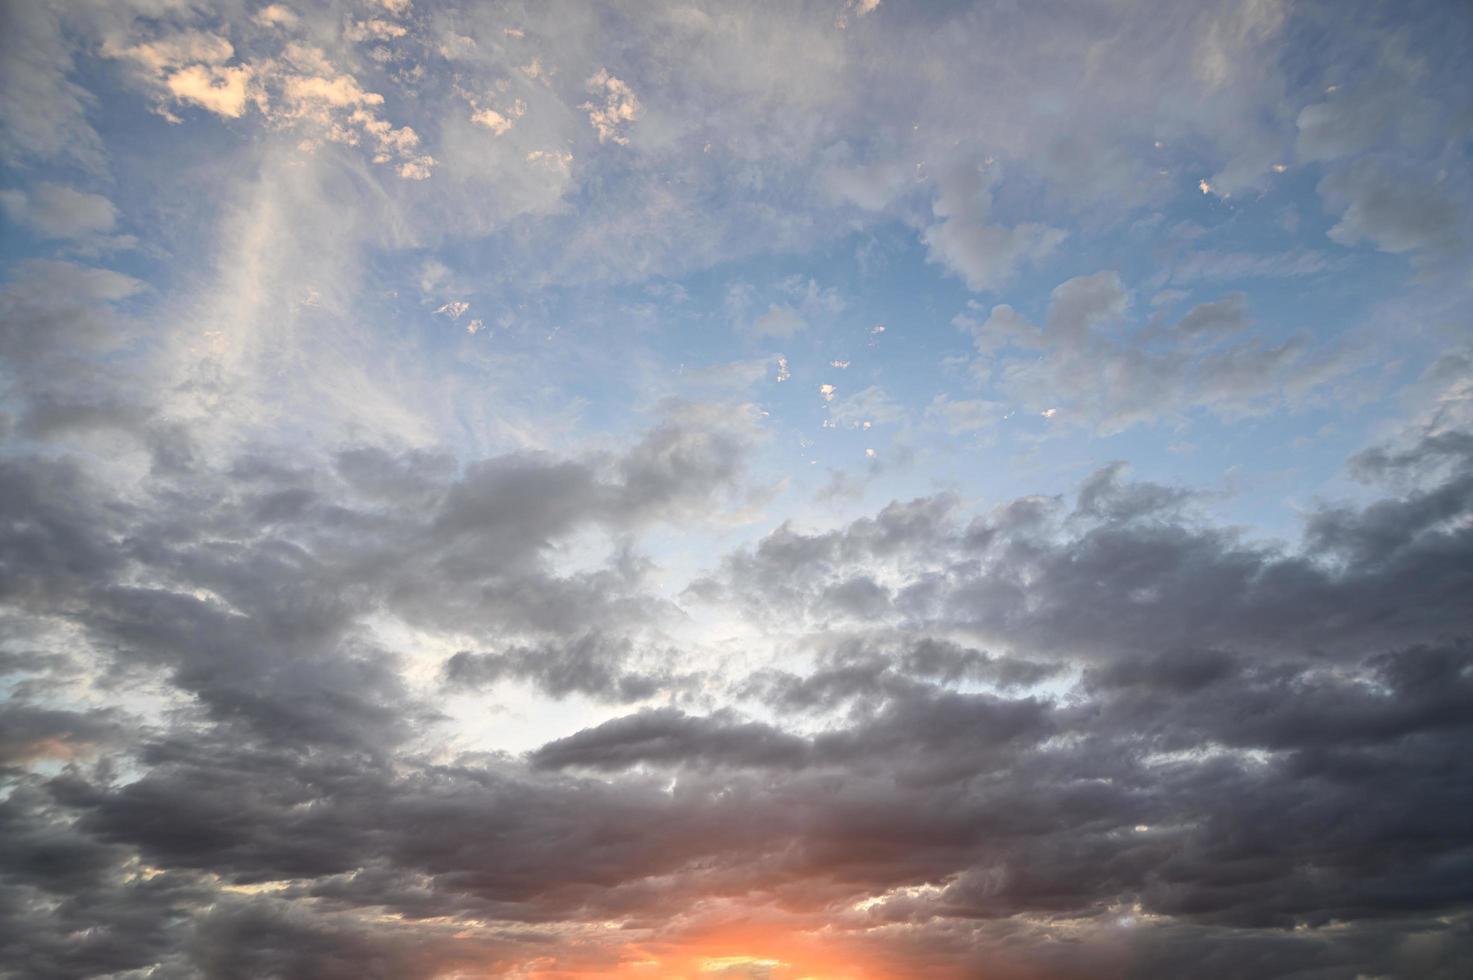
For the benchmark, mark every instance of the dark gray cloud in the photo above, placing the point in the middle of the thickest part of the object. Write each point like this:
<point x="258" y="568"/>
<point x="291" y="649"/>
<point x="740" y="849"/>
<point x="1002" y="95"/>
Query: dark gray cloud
<point x="670" y="736"/>
<point x="1127" y="572"/>
<point x="590" y="664"/>
<point x="1260" y="740"/>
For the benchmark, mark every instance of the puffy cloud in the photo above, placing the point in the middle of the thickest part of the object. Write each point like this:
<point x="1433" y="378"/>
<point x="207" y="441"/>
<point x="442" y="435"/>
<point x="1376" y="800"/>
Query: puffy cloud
<point x="590" y="664"/>
<point x="616" y="109"/>
<point x="984" y="255"/>
<point x="192" y="66"/>
<point x="859" y="8"/>
<point x="53" y="307"/>
<point x="897" y="776"/>
<point x="221" y="90"/>
<point x="497" y="122"/>
<point x="276" y="15"/>
<point x="300" y="89"/>
<point x="1397" y="212"/>
<point x="1130" y="569"/>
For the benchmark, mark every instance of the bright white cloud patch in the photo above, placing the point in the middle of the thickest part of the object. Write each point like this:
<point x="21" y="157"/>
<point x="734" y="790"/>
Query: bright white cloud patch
<point x="498" y="123"/>
<point x="613" y="108"/>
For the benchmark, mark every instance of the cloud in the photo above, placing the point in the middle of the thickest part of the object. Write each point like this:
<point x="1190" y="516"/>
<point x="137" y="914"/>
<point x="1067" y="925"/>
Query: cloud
<point x="1209" y="266"/>
<point x="616" y="109"/>
<point x="963" y="415"/>
<point x="896" y="774"/>
<point x="984" y="255"/>
<point x="58" y="211"/>
<point x="1397" y="212"/>
<point x="499" y="124"/>
<point x="53" y="307"/>
<point x="43" y="111"/>
<point x="221" y="90"/>
<point x="276" y="15"/>
<point x="1108" y="376"/>
<point x="1135" y="574"/>
<point x="870" y="406"/>
<point x="337" y="643"/>
<point x="1226" y="315"/>
<point x="859" y="8"/>
<point x="192" y="66"/>
<point x="375" y="29"/>
<point x="778" y="321"/>
<point x="300" y="88"/>
<point x="669" y="736"/>
<point x="589" y="664"/>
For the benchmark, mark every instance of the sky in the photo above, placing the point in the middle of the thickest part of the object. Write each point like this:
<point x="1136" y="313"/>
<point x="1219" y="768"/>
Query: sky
<point x="856" y="489"/>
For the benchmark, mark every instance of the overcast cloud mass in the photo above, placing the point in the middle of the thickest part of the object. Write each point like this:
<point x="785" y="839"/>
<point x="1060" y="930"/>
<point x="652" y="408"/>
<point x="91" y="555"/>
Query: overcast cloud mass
<point x="859" y="490"/>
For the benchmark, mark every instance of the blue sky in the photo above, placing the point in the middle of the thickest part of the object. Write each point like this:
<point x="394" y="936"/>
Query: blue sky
<point x="454" y="389"/>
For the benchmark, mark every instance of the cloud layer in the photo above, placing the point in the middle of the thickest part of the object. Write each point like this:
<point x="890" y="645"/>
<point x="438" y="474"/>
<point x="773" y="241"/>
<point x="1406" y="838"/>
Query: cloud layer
<point x="833" y="490"/>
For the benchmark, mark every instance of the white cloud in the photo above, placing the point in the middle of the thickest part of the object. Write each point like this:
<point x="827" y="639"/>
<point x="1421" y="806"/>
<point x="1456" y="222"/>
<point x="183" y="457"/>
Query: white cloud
<point x="301" y="90"/>
<point x="376" y="29"/>
<point x="616" y="109"/>
<point x="276" y="15"/>
<point x="859" y="8"/>
<point x="219" y="89"/>
<point x="499" y="123"/>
